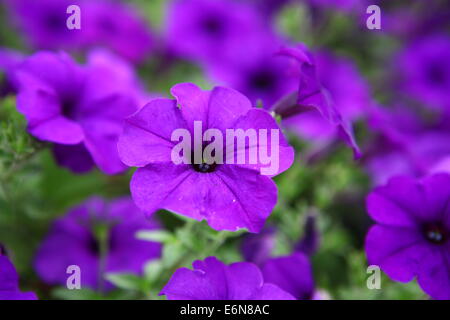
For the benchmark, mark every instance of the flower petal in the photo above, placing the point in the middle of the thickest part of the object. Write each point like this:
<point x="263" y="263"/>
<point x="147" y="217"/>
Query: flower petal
<point x="147" y="134"/>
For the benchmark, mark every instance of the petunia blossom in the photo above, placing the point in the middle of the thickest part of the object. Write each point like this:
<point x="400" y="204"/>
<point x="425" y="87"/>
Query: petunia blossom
<point x="411" y="237"/>
<point x="314" y="111"/>
<point x="210" y="32"/>
<point x="98" y="236"/>
<point x="292" y="273"/>
<point x="422" y="71"/>
<point x="80" y="109"/>
<point x="103" y="23"/>
<point x="228" y="196"/>
<point x="211" y="279"/>
<point x="405" y="144"/>
<point x="9" y="282"/>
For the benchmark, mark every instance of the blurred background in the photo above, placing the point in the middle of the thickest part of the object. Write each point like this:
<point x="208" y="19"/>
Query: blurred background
<point x="391" y="85"/>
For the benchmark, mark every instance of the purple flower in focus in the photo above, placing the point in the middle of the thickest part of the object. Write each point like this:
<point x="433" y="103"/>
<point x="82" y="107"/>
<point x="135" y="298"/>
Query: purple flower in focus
<point x="9" y="282"/>
<point x="103" y="23"/>
<point x="210" y="31"/>
<point x="211" y="279"/>
<point x="78" y="108"/>
<point x="228" y="196"/>
<point x="79" y="238"/>
<point x="412" y="236"/>
<point x="423" y="69"/>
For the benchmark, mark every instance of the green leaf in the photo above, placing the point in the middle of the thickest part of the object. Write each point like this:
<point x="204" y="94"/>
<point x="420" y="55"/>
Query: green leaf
<point x="156" y="235"/>
<point x="125" y="281"/>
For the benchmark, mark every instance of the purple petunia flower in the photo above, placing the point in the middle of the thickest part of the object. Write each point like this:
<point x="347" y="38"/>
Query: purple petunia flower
<point x="9" y="282"/>
<point x="119" y="27"/>
<point x="258" y="247"/>
<point x="43" y="22"/>
<point x="212" y="31"/>
<point x="262" y="75"/>
<point x="211" y="279"/>
<point x="107" y="23"/>
<point x="314" y="110"/>
<point x="228" y="196"/>
<point x="405" y="145"/>
<point x="292" y="273"/>
<point x="423" y="70"/>
<point x="78" y="108"/>
<point x="75" y="239"/>
<point x="412" y="235"/>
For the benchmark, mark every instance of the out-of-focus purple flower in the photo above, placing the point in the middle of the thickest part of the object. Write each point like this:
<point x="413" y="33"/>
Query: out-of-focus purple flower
<point x="99" y="237"/>
<point x="412" y="235"/>
<point x="43" y="22"/>
<point x="103" y="23"/>
<point x="349" y="6"/>
<point x="258" y="247"/>
<point x="118" y="26"/>
<point x="78" y="108"/>
<point x="314" y="111"/>
<point x="228" y="196"/>
<point x="310" y="241"/>
<point x="9" y="59"/>
<point x="423" y="71"/>
<point x="291" y="273"/>
<point x="211" y="31"/>
<point x="211" y="279"/>
<point x="262" y="74"/>
<point x="268" y="8"/>
<point x="405" y="145"/>
<point x="410" y="22"/>
<point x="9" y="282"/>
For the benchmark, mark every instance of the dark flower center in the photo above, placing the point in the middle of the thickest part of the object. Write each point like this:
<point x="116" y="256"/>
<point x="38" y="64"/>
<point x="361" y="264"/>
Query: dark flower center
<point x="68" y="108"/>
<point x="203" y="167"/>
<point x="263" y="80"/>
<point x="94" y="246"/>
<point x="55" y="22"/>
<point x="436" y="74"/>
<point x="212" y="25"/>
<point x="435" y="233"/>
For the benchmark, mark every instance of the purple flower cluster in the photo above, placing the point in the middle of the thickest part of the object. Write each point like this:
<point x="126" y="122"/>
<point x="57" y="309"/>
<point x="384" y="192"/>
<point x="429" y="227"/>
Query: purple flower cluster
<point x="106" y="23"/>
<point x="97" y="113"/>
<point x="99" y="237"/>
